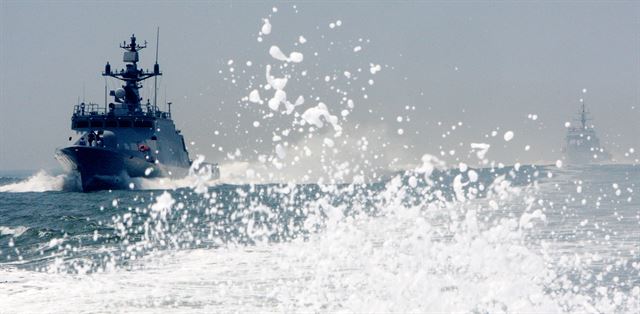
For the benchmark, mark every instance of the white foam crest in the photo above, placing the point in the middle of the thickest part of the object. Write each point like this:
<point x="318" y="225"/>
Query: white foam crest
<point x="200" y="176"/>
<point x="13" y="231"/>
<point x="161" y="183"/>
<point x="39" y="182"/>
<point x="429" y="164"/>
<point x="426" y="257"/>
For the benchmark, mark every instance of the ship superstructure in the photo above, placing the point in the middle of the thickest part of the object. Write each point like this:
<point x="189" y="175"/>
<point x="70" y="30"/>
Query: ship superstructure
<point x="125" y="138"/>
<point x="582" y="144"/>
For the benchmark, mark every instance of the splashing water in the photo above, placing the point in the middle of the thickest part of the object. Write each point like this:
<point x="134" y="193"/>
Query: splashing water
<point x="330" y="248"/>
<point x="39" y="182"/>
<point x="198" y="174"/>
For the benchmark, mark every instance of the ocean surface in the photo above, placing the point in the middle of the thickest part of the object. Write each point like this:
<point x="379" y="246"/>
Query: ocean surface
<point x="530" y="239"/>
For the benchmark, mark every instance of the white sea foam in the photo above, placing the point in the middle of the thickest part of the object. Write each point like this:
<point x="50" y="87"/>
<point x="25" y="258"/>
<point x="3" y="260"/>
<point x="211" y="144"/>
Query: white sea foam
<point x="44" y="182"/>
<point x="161" y="183"/>
<point x="13" y="231"/>
<point x="422" y="258"/>
<point x="40" y="182"/>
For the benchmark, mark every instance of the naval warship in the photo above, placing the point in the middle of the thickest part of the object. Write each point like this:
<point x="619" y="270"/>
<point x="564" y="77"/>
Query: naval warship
<point x="582" y="145"/>
<point x="124" y="139"/>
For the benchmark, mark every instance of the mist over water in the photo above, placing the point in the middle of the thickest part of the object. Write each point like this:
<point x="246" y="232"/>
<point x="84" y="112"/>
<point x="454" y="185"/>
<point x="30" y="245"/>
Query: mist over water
<point x="337" y="218"/>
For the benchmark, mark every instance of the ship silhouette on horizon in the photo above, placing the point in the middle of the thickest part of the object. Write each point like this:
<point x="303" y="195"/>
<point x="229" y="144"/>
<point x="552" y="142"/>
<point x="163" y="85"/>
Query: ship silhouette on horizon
<point x="582" y="145"/>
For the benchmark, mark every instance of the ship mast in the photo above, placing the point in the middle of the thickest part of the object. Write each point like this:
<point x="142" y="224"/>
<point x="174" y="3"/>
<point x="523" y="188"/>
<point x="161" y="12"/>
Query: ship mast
<point x="583" y="117"/>
<point x="129" y="95"/>
<point x="155" y="78"/>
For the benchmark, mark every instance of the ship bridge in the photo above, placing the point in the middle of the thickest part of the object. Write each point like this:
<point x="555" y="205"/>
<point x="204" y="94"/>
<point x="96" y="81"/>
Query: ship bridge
<point x="91" y="116"/>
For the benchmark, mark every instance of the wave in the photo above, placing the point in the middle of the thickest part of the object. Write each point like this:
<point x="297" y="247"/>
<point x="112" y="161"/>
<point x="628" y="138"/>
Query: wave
<point x="431" y="239"/>
<point x="166" y="183"/>
<point x="45" y="182"/>
<point x="13" y="231"/>
<point x="39" y="182"/>
<point x="412" y="255"/>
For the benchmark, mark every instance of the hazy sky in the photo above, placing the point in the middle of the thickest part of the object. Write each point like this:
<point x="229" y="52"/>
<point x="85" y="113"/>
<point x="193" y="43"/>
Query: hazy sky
<point x="484" y="65"/>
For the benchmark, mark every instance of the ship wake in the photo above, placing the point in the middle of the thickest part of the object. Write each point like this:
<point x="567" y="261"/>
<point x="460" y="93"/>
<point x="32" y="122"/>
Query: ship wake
<point x="42" y="181"/>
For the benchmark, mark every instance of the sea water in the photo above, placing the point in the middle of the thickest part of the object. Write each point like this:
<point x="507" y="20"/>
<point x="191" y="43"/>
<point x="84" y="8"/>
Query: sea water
<point x="535" y="239"/>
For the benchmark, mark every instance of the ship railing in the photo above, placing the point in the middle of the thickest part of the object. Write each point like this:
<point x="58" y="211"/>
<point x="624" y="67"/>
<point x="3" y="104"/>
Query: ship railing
<point x="89" y="109"/>
<point x="96" y="110"/>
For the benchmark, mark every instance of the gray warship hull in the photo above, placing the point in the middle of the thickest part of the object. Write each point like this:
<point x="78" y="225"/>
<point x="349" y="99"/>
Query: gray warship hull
<point x="124" y="139"/>
<point x="579" y="155"/>
<point x="102" y="169"/>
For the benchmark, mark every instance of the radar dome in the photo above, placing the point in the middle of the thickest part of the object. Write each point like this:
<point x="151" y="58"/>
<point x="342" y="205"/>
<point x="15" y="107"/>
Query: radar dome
<point x="120" y="93"/>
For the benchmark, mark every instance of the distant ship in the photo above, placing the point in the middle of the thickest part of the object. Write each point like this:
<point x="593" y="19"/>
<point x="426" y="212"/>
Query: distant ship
<point x="124" y="139"/>
<point x="582" y="144"/>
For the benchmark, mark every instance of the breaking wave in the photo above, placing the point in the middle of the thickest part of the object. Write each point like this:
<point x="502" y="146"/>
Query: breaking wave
<point x="39" y="182"/>
<point x="13" y="231"/>
<point x="42" y="181"/>
<point x="444" y="241"/>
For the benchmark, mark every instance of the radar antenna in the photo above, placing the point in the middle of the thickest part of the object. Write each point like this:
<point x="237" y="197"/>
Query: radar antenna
<point x="131" y="75"/>
<point x="133" y="46"/>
